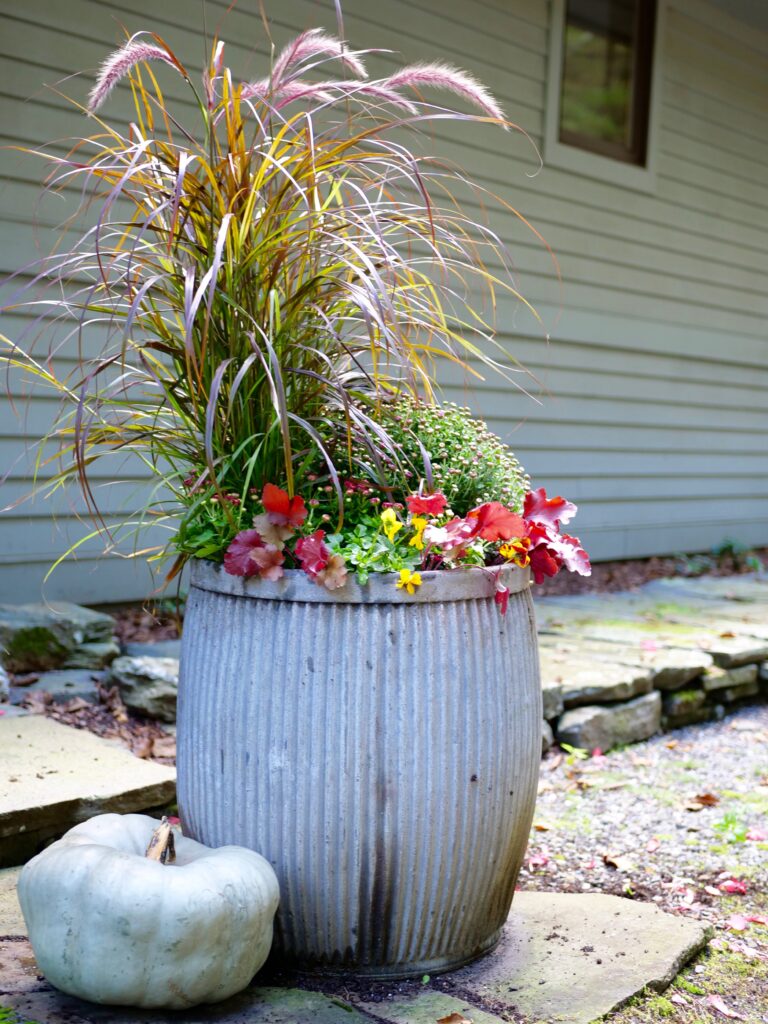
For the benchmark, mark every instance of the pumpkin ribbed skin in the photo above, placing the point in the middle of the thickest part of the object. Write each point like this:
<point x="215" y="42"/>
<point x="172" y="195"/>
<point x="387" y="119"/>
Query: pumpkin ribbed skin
<point x="108" y="925"/>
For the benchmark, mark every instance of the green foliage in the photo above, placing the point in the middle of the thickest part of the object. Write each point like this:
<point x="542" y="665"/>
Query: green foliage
<point x="457" y="454"/>
<point x="445" y="447"/>
<point x="9" y="1016"/>
<point x="265" y="281"/>
<point x="731" y="828"/>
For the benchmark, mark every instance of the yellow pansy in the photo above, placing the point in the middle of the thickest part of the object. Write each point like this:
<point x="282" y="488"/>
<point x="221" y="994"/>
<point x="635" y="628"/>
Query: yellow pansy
<point x="391" y="523"/>
<point x="517" y="551"/>
<point x="408" y="580"/>
<point x="419" y="523"/>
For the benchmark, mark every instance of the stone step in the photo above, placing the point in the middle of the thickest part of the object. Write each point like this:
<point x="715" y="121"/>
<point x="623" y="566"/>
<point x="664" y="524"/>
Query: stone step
<point x="55" y="776"/>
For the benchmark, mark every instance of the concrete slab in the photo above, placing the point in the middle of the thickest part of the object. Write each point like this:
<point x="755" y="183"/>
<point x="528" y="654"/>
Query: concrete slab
<point x="11" y="918"/>
<point x="571" y="958"/>
<point x="57" y="776"/>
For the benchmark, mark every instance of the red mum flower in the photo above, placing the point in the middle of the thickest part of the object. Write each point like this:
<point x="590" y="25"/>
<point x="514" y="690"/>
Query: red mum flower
<point x="492" y="521"/>
<point x="539" y="508"/>
<point x="282" y="510"/>
<point x="426" y="504"/>
<point x="312" y="553"/>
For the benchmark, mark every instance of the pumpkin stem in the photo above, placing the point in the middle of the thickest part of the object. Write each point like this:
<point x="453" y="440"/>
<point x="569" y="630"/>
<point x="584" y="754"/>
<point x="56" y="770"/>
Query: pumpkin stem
<point x="161" y="845"/>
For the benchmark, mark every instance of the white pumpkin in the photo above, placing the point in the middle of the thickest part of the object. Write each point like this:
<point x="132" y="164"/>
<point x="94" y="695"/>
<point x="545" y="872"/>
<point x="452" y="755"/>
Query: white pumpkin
<point x="110" y="925"/>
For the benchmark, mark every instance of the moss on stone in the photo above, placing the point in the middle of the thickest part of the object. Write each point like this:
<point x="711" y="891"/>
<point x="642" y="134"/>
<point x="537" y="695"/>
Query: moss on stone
<point x="34" y="648"/>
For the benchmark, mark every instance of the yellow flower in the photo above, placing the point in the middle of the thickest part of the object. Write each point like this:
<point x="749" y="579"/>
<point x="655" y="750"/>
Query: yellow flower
<point x="419" y="523"/>
<point x="409" y="580"/>
<point x="391" y="523"/>
<point x="517" y="551"/>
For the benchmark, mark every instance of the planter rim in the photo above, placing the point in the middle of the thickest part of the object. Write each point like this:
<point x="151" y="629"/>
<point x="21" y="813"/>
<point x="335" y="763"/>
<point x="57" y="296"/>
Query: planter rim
<point x="438" y="585"/>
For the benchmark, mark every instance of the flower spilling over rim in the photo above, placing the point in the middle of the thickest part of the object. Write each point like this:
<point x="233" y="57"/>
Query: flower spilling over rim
<point x="427" y="536"/>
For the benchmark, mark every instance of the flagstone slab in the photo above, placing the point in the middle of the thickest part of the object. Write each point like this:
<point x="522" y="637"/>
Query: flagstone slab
<point x="586" y="682"/>
<point x="610" y="726"/>
<point x="570" y="958"/>
<point x="563" y="959"/>
<point x="11" y="918"/>
<point x="427" y="1008"/>
<point x="55" y="776"/>
<point x="34" y="999"/>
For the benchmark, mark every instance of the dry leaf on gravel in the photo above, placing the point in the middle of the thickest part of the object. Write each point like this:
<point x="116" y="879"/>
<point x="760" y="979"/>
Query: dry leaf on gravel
<point x="702" y="800"/>
<point x="652" y="845"/>
<point x="619" y="861"/>
<point x="454" y="1018"/>
<point x="717" y="1003"/>
<point x="733" y="886"/>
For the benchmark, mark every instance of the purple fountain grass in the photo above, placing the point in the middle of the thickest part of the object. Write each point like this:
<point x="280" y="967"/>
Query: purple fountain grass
<point x="261" y="280"/>
<point x="444" y="76"/>
<point x="122" y="61"/>
<point x="315" y="43"/>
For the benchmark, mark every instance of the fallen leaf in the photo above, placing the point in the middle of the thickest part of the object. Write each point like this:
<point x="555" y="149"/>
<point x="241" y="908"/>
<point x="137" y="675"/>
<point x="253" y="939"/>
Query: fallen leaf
<point x="707" y="799"/>
<point x="671" y="744"/>
<point x="619" y="861"/>
<point x="757" y="835"/>
<point x="728" y="634"/>
<point x="733" y="886"/>
<point x="76" y="704"/>
<point x="454" y="1018"/>
<point x="712" y="890"/>
<point x="737" y="923"/>
<point x="164" y="746"/>
<point x="717" y="1004"/>
<point x="538" y="860"/>
<point x="541" y="826"/>
<point x="652" y="845"/>
<point x="742" y="726"/>
<point x="555" y="762"/>
<point x="757" y="919"/>
<point x="679" y="999"/>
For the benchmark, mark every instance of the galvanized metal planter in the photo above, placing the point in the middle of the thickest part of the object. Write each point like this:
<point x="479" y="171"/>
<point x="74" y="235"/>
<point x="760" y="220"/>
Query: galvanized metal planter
<point x="380" y="749"/>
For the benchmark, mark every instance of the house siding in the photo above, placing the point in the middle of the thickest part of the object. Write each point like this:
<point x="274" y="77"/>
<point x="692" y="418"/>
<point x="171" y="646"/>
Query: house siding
<point x="648" y="406"/>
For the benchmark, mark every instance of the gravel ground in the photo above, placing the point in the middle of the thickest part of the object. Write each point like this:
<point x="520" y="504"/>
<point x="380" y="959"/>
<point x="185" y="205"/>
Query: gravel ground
<point x="680" y="820"/>
<point x="630" y="821"/>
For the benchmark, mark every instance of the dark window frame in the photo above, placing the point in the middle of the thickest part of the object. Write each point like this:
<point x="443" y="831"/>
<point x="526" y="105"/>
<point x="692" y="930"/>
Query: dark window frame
<point x="642" y="76"/>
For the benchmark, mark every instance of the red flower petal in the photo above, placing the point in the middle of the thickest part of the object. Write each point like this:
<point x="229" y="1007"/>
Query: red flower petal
<point x="543" y="564"/>
<point x="238" y="559"/>
<point x="269" y="561"/>
<point x="541" y="509"/>
<point x="501" y="597"/>
<point x="426" y="504"/>
<point x="312" y="553"/>
<point x="282" y="510"/>
<point x="492" y="521"/>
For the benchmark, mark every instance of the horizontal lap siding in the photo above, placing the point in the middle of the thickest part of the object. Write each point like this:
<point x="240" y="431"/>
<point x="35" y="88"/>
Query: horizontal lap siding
<point x="647" y="404"/>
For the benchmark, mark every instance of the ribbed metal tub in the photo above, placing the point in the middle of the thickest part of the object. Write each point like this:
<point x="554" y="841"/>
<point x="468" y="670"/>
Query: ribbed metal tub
<point x="381" y="750"/>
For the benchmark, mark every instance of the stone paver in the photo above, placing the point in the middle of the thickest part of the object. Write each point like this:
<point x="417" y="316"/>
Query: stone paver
<point x="563" y="958"/>
<point x="605" y="727"/>
<point x="55" y="776"/>
<point x="11" y="918"/>
<point x="63" y="684"/>
<point x="571" y="958"/>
